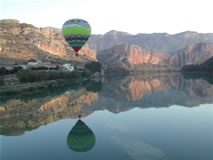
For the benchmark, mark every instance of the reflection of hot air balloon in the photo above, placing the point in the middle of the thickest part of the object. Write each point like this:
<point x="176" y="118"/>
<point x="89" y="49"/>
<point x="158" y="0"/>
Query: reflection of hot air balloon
<point x="81" y="138"/>
<point x="76" y="32"/>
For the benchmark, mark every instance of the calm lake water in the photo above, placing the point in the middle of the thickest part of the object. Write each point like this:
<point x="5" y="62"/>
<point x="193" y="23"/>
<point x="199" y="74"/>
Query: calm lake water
<point x="150" y="117"/>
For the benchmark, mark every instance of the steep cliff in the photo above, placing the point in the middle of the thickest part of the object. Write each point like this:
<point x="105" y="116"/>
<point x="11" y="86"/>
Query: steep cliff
<point x="133" y="58"/>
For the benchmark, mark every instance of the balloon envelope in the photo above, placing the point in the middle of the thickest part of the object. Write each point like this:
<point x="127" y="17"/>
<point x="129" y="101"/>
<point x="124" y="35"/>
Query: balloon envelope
<point x="76" y="32"/>
<point x="81" y="138"/>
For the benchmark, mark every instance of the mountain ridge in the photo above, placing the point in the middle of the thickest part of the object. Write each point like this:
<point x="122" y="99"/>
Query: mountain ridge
<point x="161" y="40"/>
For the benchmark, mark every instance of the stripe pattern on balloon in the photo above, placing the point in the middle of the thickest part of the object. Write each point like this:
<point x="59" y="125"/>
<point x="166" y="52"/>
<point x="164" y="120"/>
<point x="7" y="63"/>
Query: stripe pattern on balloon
<point x="76" y="32"/>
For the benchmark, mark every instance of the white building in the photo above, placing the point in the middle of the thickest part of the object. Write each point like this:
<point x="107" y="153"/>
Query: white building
<point x="69" y="67"/>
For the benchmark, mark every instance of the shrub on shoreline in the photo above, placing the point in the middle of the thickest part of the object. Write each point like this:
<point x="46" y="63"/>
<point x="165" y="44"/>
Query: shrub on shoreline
<point x="4" y="71"/>
<point x="30" y="76"/>
<point x="93" y="66"/>
<point x="44" y="68"/>
<point x="198" y="68"/>
<point x="1" y="81"/>
<point x="86" y="73"/>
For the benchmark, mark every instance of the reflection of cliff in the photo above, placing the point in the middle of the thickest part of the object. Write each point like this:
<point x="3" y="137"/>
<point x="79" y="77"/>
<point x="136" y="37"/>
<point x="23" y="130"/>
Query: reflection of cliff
<point x="132" y="88"/>
<point x="16" y="116"/>
<point x="138" y="88"/>
<point x="193" y="87"/>
<point x="154" y="90"/>
<point x="118" y="94"/>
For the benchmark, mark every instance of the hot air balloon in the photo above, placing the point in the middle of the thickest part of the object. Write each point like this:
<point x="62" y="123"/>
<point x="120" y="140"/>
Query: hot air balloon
<point x="76" y="32"/>
<point x="81" y="138"/>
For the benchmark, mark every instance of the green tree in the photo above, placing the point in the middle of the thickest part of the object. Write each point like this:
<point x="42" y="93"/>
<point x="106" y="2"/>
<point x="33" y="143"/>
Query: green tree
<point x="93" y="66"/>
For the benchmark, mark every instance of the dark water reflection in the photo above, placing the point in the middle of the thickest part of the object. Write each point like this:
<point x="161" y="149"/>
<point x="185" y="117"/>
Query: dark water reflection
<point x="164" y="116"/>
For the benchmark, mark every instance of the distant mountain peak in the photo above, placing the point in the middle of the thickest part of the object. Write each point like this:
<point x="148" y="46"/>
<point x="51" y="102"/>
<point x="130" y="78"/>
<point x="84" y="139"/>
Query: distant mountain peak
<point x="114" y="32"/>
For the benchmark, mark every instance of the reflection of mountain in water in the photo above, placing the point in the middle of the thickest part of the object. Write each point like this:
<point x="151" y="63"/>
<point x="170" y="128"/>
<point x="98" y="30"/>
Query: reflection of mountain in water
<point x="155" y="91"/>
<point x="117" y="94"/>
<point x="17" y="115"/>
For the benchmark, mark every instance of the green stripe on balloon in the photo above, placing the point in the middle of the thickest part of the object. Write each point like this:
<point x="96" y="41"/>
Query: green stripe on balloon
<point x="66" y="31"/>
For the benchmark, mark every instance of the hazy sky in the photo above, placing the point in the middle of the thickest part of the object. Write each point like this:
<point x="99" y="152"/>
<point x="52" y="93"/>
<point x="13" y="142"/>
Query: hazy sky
<point x="133" y="16"/>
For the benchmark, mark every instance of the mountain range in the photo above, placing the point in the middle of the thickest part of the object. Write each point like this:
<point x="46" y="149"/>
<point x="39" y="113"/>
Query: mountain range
<point x="160" y="42"/>
<point x="152" y="51"/>
<point x="119" y="51"/>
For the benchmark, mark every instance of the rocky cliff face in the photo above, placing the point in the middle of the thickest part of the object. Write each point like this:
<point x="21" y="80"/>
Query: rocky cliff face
<point x="89" y="52"/>
<point x="24" y="41"/>
<point x="132" y="57"/>
<point x="192" y="54"/>
<point x="131" y="54"/>
<point x="12" y="45"/>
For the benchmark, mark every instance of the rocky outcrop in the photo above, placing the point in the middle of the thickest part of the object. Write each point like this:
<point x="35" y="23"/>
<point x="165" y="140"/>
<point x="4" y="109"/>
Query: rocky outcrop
<point x="89" y="52"/>
<point x="131" y="54"/>
<point x="133" y="58"/>
<point x="192" y="54"/>
<point x="47" y="41"/>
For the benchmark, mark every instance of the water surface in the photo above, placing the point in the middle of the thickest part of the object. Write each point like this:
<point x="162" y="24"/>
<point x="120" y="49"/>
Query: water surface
<point x="150" y="117"/>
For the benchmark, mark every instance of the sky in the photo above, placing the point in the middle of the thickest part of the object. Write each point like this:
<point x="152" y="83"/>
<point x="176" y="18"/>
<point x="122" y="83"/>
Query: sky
<point x="132" y="16"/>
